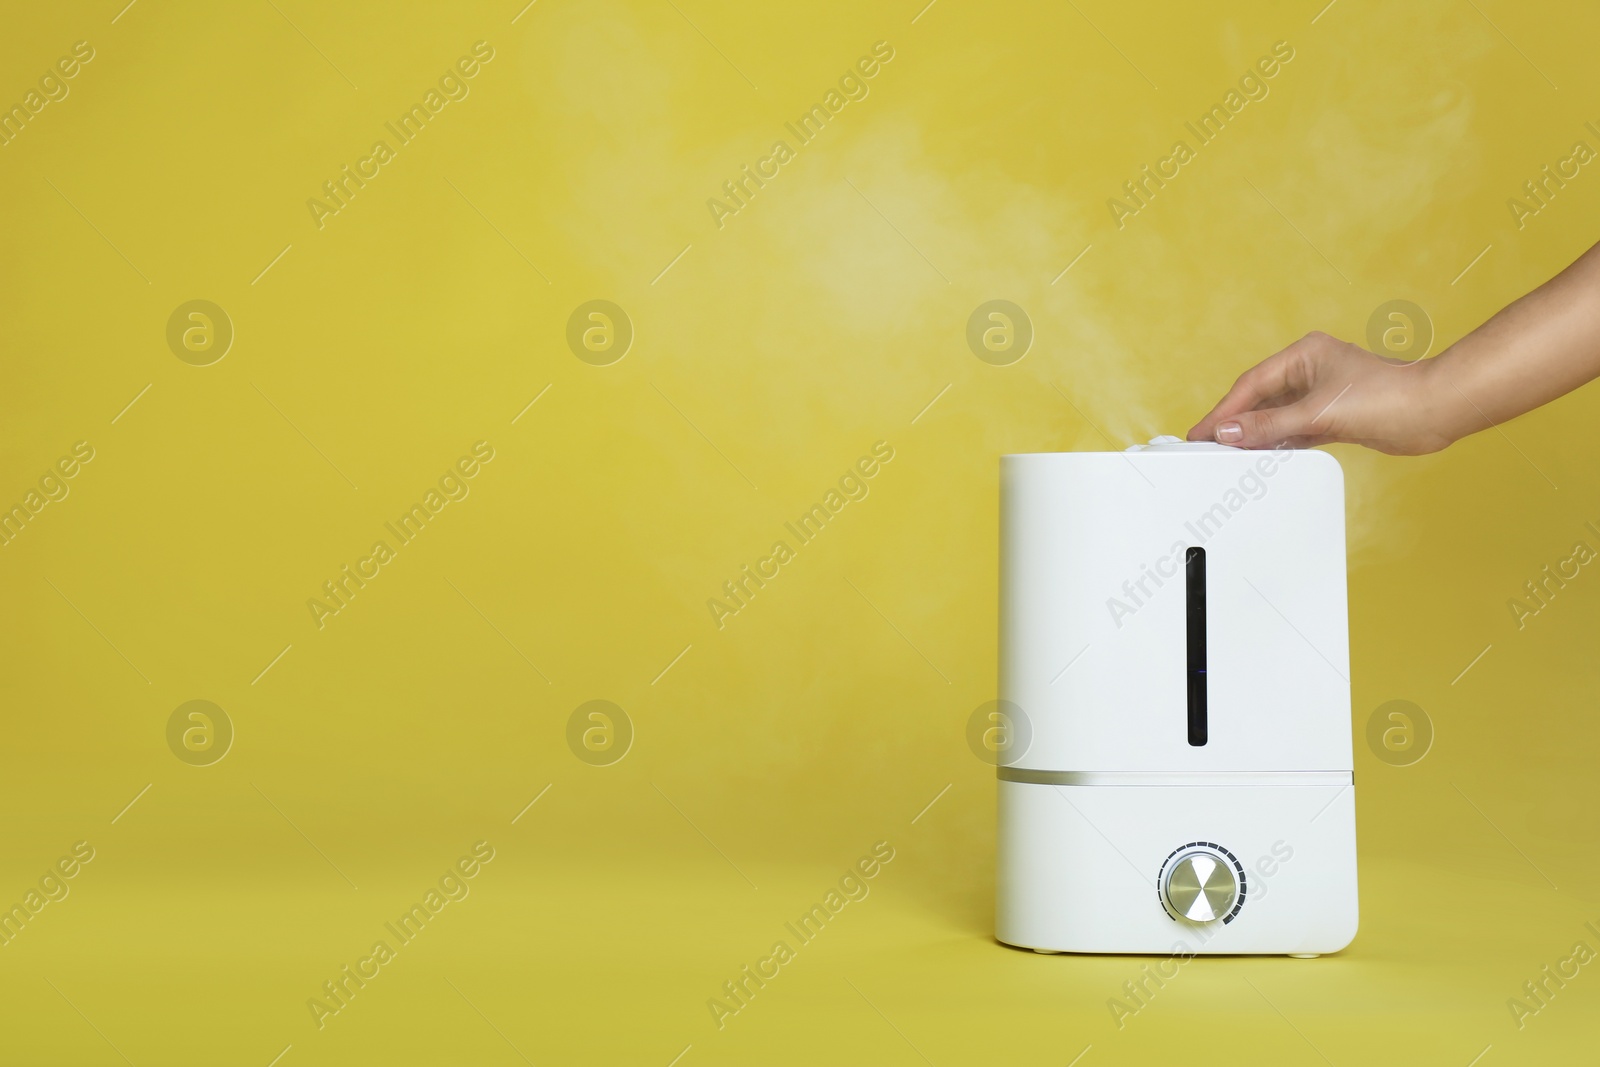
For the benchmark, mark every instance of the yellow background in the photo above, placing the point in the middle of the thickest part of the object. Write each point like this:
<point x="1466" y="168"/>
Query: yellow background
<point x="820" y="319"/>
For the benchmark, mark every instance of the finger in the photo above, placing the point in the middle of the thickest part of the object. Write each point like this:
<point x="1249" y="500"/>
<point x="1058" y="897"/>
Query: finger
<point x="1271" y="427"/>
<point x="1265" y="381"/>
<point x="1278" y="374"/>
<point x="1315" y="441"/>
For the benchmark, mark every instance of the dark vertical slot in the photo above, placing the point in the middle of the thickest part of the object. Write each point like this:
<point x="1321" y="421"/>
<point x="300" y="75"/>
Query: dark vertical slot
<point x="1195" y="612"/>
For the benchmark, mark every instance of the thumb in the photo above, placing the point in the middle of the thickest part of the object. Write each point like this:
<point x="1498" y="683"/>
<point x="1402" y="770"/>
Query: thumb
<point x="1268" y="427"/>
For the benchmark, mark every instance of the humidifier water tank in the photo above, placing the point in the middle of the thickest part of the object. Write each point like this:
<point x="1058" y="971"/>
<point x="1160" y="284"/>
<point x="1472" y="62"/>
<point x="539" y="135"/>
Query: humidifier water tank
<point x="1177" y="772"/>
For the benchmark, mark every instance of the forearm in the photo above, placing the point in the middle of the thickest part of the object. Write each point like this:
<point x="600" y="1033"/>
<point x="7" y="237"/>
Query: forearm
<point x="1538" y="348"/>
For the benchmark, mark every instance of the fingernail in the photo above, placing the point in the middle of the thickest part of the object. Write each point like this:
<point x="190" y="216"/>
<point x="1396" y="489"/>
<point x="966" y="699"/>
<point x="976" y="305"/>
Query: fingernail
<point x="1229" y="432"/>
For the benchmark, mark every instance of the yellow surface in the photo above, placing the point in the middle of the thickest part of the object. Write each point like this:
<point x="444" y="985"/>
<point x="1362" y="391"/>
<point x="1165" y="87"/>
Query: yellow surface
<point x="770" y="353"/>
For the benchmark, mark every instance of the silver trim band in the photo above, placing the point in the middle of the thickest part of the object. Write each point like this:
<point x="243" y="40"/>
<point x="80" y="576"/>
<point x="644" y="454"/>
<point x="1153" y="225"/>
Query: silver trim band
<point x="1033" y="777"/>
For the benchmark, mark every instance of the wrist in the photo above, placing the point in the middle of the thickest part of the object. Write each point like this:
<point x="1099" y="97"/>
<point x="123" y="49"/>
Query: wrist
<point x="1444" y="405"/>
<point x="1440" y="409"/>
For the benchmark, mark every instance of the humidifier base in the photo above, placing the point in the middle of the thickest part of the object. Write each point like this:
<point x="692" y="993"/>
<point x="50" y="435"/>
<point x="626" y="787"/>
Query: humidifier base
<point x="1179" y="869"/>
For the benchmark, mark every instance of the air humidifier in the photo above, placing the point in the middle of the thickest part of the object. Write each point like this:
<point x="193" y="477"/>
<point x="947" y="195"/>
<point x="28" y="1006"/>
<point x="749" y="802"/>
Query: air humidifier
<point x="1176" y="774"/>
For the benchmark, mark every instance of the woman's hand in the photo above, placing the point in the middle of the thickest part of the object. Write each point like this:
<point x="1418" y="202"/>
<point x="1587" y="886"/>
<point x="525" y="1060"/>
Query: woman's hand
<point x="1321" y="390"/>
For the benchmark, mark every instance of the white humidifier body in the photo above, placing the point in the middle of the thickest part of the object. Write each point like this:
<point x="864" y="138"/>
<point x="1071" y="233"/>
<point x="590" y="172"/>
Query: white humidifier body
<point x="1176" y="774"/>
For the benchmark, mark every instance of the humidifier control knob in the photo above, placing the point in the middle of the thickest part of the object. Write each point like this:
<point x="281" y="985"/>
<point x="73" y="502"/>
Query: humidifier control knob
<point x="1200" y="883"/>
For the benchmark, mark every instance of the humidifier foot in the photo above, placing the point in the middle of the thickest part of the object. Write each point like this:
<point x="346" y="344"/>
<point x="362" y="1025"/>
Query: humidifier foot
<point x="1304" y="955"/>
<point x="1048" y="951"/>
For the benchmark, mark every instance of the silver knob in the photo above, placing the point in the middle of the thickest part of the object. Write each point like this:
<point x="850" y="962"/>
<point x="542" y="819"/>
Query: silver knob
<point x="1200" y="887"/>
